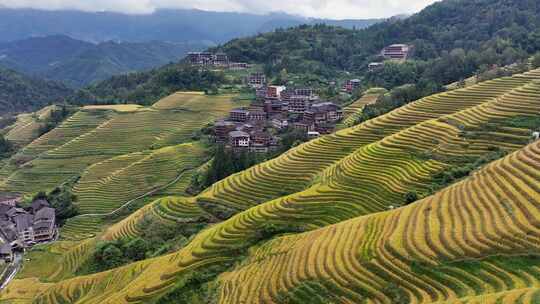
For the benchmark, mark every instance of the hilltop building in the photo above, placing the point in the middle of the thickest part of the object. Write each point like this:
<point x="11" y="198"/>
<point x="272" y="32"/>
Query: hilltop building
<point x="200" y="58"/>
<point x="208" y="59"/>
<point x="396" y="52"/>
<point x="238" y="66"/>
<point x="374" y="66"/>
<point x="351" y="85"/>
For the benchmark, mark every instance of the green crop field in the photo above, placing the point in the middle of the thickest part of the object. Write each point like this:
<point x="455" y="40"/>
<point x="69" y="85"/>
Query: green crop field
<point x="26" y="127"/>
<point x="97" y="134"/>
<point x="328" y="221"/>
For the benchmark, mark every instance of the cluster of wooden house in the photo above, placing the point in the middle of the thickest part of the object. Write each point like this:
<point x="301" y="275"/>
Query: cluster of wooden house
<point x="22" y="228"/>
<point x="214" y="60"/>
<point x="275" y="109"/>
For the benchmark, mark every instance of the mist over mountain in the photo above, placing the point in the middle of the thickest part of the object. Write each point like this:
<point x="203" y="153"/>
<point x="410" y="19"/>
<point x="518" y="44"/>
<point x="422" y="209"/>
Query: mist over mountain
<point x="178" y="25"/>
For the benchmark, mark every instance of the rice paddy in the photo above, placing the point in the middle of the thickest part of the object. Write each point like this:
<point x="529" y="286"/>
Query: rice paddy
<point x="344" y="232"/>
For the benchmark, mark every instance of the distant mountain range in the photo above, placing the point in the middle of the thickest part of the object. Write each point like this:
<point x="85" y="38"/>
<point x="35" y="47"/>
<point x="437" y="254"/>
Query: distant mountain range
<point x="78" y="63"/>
<point x="164" y="25"/>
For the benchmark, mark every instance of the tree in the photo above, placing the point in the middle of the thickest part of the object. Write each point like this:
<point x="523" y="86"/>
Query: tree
<point x="5" y="146"/>
<point x="536" y="61"/>
<point x="136" y="249"/>
<point x="411" y="197"/>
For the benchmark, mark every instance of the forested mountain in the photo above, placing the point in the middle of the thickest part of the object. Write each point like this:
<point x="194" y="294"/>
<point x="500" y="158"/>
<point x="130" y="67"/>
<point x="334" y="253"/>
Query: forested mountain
<point x="20" y="93"/>
<point x="163" y="25"/>
<point x="79" y="63"/>
<point x="452" y="39"/>
<point x="147" y="87"/>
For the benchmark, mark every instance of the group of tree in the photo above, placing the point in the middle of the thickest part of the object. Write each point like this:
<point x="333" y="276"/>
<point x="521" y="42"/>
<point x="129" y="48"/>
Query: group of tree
<point x="20" y="93"/>
<point x="6" y="147"/>
<point x="154" y="239"/>
<point x="148" y="87"/>
<point x="56" y="116"/>
<point x="396" y="98"/>
<point x="225" y="161"/>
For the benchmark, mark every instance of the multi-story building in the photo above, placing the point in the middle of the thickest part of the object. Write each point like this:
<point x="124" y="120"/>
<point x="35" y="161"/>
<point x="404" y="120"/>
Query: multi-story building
<point x="239" y="139"/>
<point x="200" y="58"/>
<point x="373" y="66"/>
<point x="21" y="228"/>
<point x="259" y="141"/>
<point x="274" y="91"/>
<point x="323" y="113"/>
<point x="351" y="85"/>
<point x="257" y="116"/>
<point x="6" y="253"/>
<point x="298" y="104"/>
<point x="396" y="51"/>
<point x="24" y="229"/>
<point x="222" y="129"/>
<point x="256" y="80"/>
<point x="274" y="106"/>
<point x="280" y="123"/>
<point x="44" y="225"/>
<point x="304" y="92"/>
<point x="220" y="59"/>
<point x="240" y="115"/>
<point x="238" y="66"/>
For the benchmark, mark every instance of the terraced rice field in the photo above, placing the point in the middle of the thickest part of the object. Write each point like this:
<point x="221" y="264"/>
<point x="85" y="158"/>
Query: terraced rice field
<point x="477" y="240"/>
<point x="26" y="127"/>
<point x="440" y="249"/>
<point x="353" y="111"/>
<point x="94" y="135"/>
<point x="105" y="186"/>
<point x="117" y="108"/>
<point x="295" y="170"/>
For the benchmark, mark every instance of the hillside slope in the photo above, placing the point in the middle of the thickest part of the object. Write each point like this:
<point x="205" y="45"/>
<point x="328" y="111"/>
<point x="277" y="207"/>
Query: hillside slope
<point x="20" y="93"/>
<point x="78" y="63"/>
<point x="498" y="33"/>
<point x="341" y="244"/>
<point x="502" y="31"/>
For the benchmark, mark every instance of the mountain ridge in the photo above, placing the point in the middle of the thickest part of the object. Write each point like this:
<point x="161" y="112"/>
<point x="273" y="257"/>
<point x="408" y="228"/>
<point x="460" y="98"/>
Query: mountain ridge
<point x="80" y="63"/>
<point x="173" y="25"/>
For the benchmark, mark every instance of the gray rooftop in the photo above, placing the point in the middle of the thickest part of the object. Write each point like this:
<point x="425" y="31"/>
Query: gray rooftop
<point x="38" y="204"/>
<point x="5" y="248"/>
<point x="238" y="134"/>
<point x="45" y="214"/>
<point x="23" y="221"/>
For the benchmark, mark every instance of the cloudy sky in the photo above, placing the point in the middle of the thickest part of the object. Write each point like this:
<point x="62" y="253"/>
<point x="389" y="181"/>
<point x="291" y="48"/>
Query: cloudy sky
<point x="337" y="9"/>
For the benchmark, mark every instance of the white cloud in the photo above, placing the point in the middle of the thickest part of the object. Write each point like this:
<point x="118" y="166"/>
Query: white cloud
<point x="337" y="9"/>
